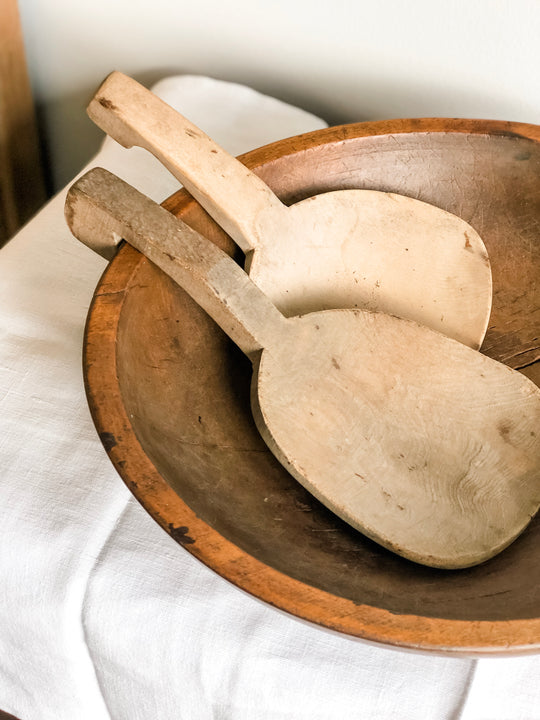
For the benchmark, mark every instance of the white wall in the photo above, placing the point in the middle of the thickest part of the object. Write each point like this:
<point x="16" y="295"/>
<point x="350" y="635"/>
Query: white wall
<point x="346" y="60"/>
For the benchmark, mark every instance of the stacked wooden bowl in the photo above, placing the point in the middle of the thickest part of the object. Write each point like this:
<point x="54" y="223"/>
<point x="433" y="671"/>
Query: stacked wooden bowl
<point x="169" y="393"/>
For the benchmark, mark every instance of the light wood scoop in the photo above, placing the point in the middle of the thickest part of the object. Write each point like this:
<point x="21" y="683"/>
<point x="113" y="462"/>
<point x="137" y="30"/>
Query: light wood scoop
<point x="340" y="249"/>
<point x="423" y="444"/>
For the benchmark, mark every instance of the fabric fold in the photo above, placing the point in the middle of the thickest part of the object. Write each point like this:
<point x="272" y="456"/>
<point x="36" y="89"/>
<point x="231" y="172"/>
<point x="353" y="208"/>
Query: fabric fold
<point x="102" y="615"/>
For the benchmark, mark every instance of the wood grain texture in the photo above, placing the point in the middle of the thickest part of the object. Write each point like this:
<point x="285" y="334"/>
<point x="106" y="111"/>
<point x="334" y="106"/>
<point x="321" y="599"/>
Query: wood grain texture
<point x="22" y="189"/>
<point x="340" y="249"/>
<point x="421" y="443"/>
<point x="201" y="468"/>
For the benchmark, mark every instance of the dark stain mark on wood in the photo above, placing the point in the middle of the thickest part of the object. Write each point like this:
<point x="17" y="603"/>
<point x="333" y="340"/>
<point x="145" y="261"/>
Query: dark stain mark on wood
<point x="106" y="103"/>
<point x="191" y="133"/>
<point x="504" y="429"/>
<point x="108" y="440"/>
<point x="180" y="534"/>
<point x="335" y="363"/>
<point x="468" y="245"/>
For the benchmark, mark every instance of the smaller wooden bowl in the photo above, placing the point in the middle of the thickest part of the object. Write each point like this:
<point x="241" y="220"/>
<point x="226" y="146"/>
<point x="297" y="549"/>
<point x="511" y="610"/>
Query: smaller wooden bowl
<point x="170" y="398"/>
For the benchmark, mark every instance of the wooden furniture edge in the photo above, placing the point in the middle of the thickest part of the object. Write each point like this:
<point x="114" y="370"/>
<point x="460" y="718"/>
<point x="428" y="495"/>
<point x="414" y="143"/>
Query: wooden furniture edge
<point x="22" y="189"/>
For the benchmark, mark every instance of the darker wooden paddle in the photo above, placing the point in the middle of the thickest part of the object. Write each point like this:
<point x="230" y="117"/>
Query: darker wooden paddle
<point x="423" y="444"/>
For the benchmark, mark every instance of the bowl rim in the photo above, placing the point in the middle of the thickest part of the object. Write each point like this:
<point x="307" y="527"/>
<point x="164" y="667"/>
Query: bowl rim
<point x="459" y="637"/>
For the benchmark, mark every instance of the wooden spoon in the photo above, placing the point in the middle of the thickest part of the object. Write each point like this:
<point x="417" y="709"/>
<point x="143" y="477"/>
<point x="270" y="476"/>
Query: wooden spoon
<point x="347" y="248"/>
<point x="423" y="444"/>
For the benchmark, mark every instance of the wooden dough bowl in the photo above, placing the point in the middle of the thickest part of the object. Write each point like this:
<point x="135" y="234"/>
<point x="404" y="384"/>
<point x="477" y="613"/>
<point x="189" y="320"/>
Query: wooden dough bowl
<point x="169" y="393"/>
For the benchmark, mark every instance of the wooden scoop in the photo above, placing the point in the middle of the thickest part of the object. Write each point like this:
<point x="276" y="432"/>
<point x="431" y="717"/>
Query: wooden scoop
<point x="347" y="248"/>
<point x="423" y="444"/>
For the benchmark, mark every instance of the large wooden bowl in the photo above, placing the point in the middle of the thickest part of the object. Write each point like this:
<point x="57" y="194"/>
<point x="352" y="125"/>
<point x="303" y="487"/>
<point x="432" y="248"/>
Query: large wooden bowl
<point x="170" y="397"/>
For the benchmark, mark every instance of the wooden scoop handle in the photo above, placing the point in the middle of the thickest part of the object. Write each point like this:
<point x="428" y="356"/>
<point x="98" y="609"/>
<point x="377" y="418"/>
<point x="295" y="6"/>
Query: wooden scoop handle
<point x="101" y="205"/>
<point x="234" y="196"/>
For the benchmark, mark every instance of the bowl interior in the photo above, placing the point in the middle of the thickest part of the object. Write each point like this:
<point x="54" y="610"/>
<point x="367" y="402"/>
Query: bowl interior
<point x="185" y="387"/>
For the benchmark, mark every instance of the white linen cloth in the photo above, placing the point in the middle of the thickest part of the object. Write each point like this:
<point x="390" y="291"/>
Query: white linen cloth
<point x="102" y="614"/>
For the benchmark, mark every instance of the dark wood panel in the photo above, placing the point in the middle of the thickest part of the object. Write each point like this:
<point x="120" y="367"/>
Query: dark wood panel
<point x="22" y="189"/>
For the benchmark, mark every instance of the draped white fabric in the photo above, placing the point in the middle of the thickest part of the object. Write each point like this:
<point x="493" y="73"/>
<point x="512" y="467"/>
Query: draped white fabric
<point x="102" y="615"/>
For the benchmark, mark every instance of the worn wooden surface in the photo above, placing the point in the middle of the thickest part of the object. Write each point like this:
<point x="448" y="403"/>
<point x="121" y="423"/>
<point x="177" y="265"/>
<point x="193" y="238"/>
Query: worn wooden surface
<point x="22" y="189"/>
<point x="411" y="437"/>
<point x="352" y="248"/>
<point x="201" y="468"/>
